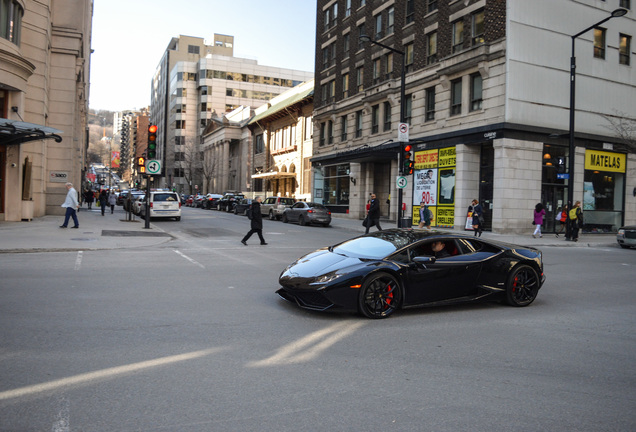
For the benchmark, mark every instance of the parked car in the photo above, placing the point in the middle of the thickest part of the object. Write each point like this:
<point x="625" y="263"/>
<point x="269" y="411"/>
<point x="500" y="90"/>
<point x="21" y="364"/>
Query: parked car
<point x="626" y="236"/>
<point x="307" y="213"/>
<point x="377" y="274"/>
<point x="130" y="197"/>
<point x="211" y="200"/>
<point x="242" y="206"/>
<point x="137" y="203"/>
<point x="273" y="207"/>
<point x="162" y="204"/>
<point x="228" y="200"/>
<point x="198" y="201"/>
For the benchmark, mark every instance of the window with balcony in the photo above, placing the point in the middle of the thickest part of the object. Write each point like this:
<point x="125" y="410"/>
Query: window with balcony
<point x="387" y="116"/>
<point x="11" y="14"/>
<point x="456" y="97"/>
<point x="430" y="104"/>
<point x="475" y="92"/>
<point x="458" y="36"/>
<point x="599" y="43"/>
<point x="431" y="48"/>
<point x="624" y="49"/>
<point x="375" y="119"/>
<point x="477" y="28"/>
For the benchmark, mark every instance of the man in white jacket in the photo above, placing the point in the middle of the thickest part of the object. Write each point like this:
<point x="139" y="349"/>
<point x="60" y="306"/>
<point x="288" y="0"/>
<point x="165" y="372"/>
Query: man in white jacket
<point x="71" y="205"/>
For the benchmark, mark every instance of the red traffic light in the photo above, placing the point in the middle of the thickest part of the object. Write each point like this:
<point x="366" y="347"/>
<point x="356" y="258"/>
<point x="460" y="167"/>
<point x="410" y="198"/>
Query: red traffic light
<point x="152" y="129"/>
<point x="407" y="148"/>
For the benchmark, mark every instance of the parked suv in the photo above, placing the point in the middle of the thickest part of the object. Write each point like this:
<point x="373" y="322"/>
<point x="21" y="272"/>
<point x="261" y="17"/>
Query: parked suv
<point x="273" y="207"/>
<point x="162" y="204"/>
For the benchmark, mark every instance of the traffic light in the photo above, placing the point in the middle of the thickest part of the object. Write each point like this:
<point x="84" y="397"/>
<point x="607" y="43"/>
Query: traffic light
<point x="407" y="160"/>
<point x="152" y="142"/>
<point x="141" y="164"/>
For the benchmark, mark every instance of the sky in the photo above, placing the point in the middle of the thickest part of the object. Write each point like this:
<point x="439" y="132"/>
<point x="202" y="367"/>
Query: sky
<point x="130" y="36"/>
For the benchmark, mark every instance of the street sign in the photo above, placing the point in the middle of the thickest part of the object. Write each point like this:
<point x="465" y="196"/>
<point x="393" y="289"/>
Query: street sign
<point x="153" y="167"/>
<point x="401" y="182"/>
<point x="403" y="132"/>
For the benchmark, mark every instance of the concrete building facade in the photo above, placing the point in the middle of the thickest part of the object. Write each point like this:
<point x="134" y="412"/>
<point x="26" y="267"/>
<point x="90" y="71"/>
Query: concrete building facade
<point x="487" y="108"/>
<point x="44" y="76"/>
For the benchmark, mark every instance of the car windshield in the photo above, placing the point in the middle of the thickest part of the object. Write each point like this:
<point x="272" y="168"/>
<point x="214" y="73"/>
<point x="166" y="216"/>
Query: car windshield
<point x="376" y="246"/>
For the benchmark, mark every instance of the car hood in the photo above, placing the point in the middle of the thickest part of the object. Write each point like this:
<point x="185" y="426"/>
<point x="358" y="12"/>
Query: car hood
<point x="319" y="263"/>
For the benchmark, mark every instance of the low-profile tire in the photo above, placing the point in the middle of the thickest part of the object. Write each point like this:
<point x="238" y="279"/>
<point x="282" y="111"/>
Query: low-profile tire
<point x="522" y="286"/>
<point x="301" y="221"/>
<point x="285" y="220"/>
<point x="178" y="218"/>
<point x="271" y="215"/>
<point x="380" y="296"/>
<point x="624" y="246"/>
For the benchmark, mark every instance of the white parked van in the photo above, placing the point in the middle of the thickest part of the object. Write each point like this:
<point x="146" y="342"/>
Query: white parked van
<point x="163" y="204"/>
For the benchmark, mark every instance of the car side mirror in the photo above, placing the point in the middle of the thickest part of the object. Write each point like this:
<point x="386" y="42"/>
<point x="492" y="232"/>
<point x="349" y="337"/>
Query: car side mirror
<point x="423" y="261"/>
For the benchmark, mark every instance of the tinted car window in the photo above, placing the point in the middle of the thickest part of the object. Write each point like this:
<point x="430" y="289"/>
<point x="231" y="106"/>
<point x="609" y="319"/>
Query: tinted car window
<point x="366" y="247"/>
<point x="299" y="205"/>
<point x="316" y="205"/>
<point x="287" y="201"/>
<point x="165" y="197"/>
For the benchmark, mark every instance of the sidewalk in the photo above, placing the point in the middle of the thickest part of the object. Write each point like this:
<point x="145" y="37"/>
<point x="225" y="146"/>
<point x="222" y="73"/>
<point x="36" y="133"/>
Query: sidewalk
<point x="95" y="232"/>
<point x="113" y="231"/>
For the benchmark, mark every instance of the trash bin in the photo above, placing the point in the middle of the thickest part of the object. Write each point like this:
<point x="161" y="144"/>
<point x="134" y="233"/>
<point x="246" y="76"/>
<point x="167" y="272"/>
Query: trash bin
<point x="406" y="222"/>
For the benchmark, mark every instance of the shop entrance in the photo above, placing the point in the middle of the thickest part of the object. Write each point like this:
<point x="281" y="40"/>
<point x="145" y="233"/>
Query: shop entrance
<point x="553" y="198"/>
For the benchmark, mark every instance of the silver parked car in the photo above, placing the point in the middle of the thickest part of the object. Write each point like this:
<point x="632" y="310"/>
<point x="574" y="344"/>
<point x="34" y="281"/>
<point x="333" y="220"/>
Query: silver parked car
<point x="307" y="213"/>
<point x="273" y="207"/>
<point x="626" y="236"/>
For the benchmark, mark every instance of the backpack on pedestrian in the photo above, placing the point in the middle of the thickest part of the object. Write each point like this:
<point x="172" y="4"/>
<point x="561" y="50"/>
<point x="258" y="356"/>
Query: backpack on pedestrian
<point x="573" y="215"/>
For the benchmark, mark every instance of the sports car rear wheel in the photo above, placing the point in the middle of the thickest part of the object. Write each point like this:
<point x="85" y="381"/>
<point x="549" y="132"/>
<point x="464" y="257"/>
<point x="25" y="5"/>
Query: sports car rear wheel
<point x="523" y="285"/>
<point x="380" y="296"/>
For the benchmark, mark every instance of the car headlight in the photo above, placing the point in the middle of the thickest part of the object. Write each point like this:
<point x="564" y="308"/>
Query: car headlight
<point x="326" y="278"/>
<point x="621" y="232"/>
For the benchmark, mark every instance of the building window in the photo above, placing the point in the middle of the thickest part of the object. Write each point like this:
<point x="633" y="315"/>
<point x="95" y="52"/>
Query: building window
<point x="328" y="56"/>
<point x="329" y="132"/>
<point x="358" y="124"/>
<point x="180" y="124"/>
<point x="624" y="4"/>
<point x="361" y="32"/>
<point x="193" y="49"/>
<point x="345" y="85"/>
<point x="431" y="46"/>
<point x="390" y="21"/>
<point x="430" y="104"/>
<point x="599" y="43"/>
<point x="345" y="46"/>
<point x="408" y="52"/>
<point x="458" y="36"/>
<point x="624" y="49"/>
<point x="360" y="78"/>
<point x="408" y="105"/>
<point x="259" y="145"/>
<point x="377" y="70"/>
<point x="389" y="65"/>
<point x="387" y="116"/>
<point x="410" y="11"/>
<point x="375" y="119"/>
<point x="323" y="134"/>
<point x="11" y="14"/>
<point x="378" y="26"/>
<point x="475" y="92"/>
<point x="431" y="6"/>
<point x="456" y="97"/>
<point x="343" y="128"/>
<point x="347" y="8"/>
<point x="477" y="28"/>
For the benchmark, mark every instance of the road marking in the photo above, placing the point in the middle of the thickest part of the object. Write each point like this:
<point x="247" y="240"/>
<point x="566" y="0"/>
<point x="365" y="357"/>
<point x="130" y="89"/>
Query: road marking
<point x="62" y="419"/>
<point x="300" y="351"/>
<point x="190" y="259"/>
<point x="78" y="261"/>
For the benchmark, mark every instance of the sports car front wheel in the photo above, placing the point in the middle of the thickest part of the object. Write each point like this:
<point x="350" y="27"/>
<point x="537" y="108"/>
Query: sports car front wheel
<point x="523" y="286"/>
<point x="380" y="296"/>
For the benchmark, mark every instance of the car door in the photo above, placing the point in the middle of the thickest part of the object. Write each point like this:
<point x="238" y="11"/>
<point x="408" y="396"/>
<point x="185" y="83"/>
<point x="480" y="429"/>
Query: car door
<point x="447" y="278"/>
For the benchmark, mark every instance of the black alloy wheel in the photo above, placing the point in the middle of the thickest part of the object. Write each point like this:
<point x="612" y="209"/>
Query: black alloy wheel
<point x="522" y="286"/>
<point x="380" y="296"/>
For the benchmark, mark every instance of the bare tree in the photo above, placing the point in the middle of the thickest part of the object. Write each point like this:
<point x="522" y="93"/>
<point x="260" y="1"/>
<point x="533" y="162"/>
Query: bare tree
<point x="192" y="164"/>
<point x="208" y="169"/>
<point x="623" y="127"/>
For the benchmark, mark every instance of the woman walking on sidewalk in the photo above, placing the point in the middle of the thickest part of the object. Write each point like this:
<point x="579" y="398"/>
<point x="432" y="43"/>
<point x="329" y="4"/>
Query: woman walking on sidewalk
<point x="112" y="200"/>
<point x="539" y="213"/>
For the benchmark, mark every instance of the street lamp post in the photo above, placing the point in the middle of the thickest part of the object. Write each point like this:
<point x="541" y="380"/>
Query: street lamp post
<point x="616" y="13"/>
<point x="365" y="38"/>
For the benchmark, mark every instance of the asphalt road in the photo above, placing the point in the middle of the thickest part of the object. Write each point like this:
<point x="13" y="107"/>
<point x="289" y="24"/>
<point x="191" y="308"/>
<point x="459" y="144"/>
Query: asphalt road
<point x="190" y="336"/>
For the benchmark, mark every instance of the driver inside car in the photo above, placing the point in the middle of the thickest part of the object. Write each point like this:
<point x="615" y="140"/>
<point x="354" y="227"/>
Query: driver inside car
<point x="439" y="249"/>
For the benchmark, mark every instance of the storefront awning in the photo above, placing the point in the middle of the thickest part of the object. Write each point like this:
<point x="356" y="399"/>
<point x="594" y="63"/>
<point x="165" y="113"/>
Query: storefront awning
<point x="274" y="175"/>
<point x="17" y="132"/>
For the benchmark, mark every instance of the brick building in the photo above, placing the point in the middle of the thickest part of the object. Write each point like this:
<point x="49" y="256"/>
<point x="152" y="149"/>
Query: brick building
<point x="487" y="105"/>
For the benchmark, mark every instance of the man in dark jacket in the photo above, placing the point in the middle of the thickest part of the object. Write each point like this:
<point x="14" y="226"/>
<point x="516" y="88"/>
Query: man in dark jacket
<point x="254" y="213"/>
<point x="374" y="214"/>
